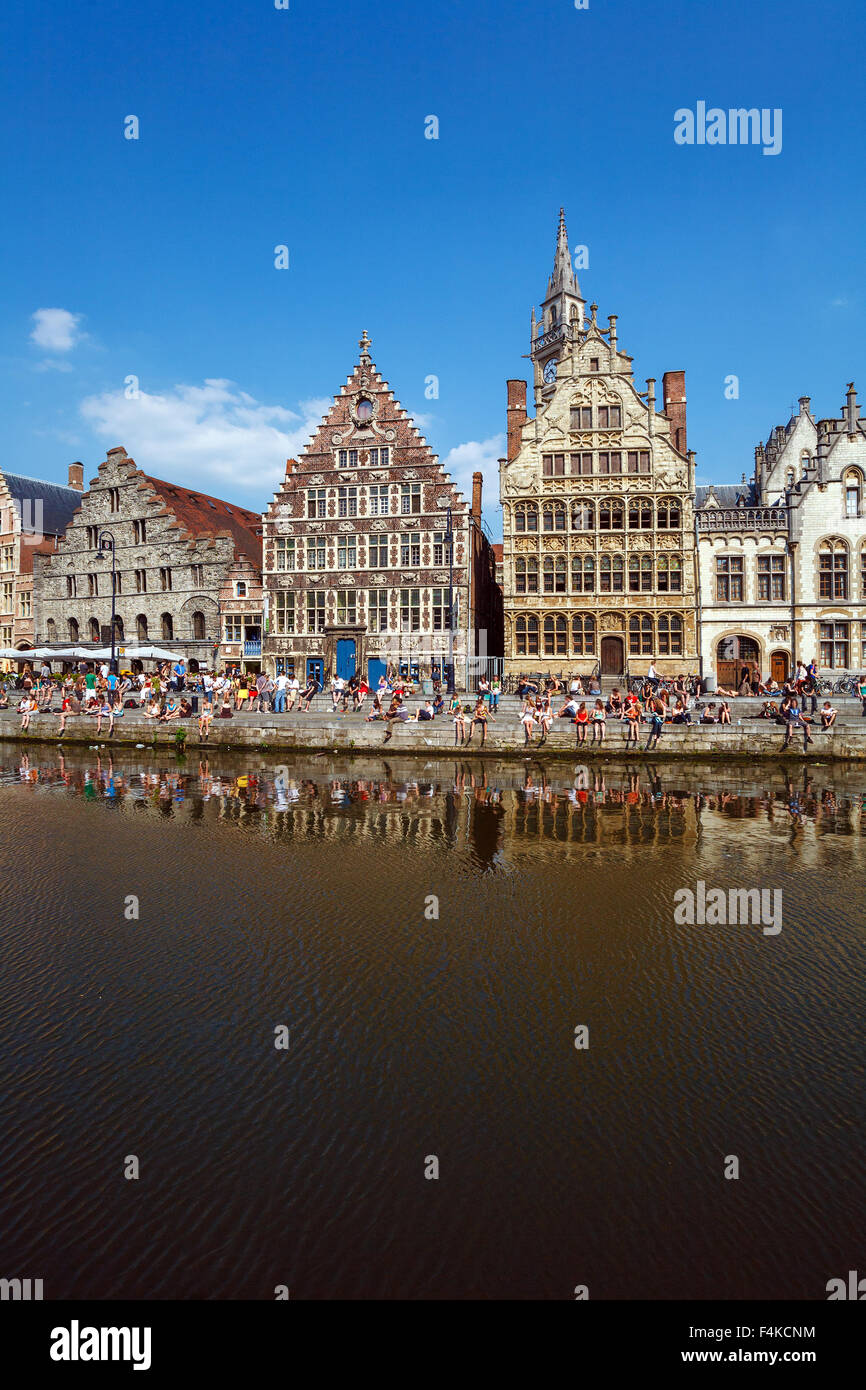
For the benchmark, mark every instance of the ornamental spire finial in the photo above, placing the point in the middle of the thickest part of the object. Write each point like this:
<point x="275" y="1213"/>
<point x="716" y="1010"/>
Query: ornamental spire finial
<point x="364" y="344"/>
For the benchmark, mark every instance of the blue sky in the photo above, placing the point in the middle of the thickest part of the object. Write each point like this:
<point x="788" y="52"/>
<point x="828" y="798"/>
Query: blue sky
<point x="306" y="127"/>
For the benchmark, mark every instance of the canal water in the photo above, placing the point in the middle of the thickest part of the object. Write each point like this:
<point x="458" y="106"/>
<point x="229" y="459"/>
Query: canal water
<point x="485" y="965"/>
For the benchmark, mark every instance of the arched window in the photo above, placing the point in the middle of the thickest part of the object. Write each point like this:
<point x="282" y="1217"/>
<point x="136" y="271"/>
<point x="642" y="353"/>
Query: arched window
<point x="863" y="574"/>
<point x="610" y="574"/>
<point x="582" y="515"/>
<point x="789" y="479"/>
<point x="555" y="635"/>
<point x="526" y="574"/>
<point x="553" y="516"/>
<point x="610" y="514"/>
<point x="640" y="635"/>
<point x="198" y="626"/>
<point x="670" y="634"/>
<point x="118" y="628"/>
<point x="833" y="569"/>
<point x="669" y="577"/>
<point x="583" y="574"/>
<point x="640" y="574"/>
<point x="640" y="514"/>
<point x="853" y="493"/>
<point x="93" y="629"/>
<point x="555" y="574"/>
<point x="52" y="630"/>
<point x="583" y="634"/>
<point x="526" y="516"/>
<point x="72" y="625"/>
<point x="167" y="627"/>
<point x="669" y="514"/>
<point x="141" y="627"/>
<point x="526" y="633"/>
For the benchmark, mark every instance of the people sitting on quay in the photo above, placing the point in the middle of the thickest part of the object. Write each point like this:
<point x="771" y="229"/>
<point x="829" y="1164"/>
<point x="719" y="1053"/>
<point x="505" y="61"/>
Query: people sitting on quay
<point x="828" y="716"/>
<point x="796" y="720"/>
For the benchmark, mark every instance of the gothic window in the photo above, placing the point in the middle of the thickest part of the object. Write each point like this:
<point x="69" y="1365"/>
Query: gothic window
<point x="553" y="516"/>
<point x="610" y="574"/>
<point x="669" y="574"/>
<point x="833" y="570"/>
<point x="729" y="579"/>
<point x="581" y="417"/>
<point x="852" y="493"/>
<point x="167" y="623"/>
<point x="141" y="628"/>
<point x="526" y="635"/>
<point x="582" y="574"/>
<point x="72" y="626"/>
<point x="771" y="578"/>
<point x="581" y="465"/>
<point x="555" y="574"/>
<point x="94" y="629"/>
<point x="526" y="516"/>
<point x="555" y="635"/>
<point x="526" y="574"/>
<point x="863" y="576"/>
<point x="582" y="515"/>
<point x="640" y="514"/>
<point x="583" y="634"/>
<point x="670" y="634"/>
<point x="640" y="635"/>
<point x="835" y="646"/>
<point x="553" y="465"/>
<point x="669" y="514"/>
<point x="638" y="461"/>
<point x="52" y="630"/>
<point x="610" y="463"/>
<point x="640" y="573"/>
<point x="118" y="628"/>
<point x="610" y="514"/>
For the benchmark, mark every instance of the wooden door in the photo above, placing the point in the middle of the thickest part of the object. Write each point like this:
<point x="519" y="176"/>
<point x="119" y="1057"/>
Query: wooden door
<point x="611" y="656"/>
<point x="779" y="667"/>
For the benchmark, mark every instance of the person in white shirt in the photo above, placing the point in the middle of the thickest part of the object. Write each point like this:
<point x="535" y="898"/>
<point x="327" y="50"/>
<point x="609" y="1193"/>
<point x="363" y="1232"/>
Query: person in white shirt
<point x="294" y="693"/>
<point x="103" y="670"/>
<point x="338" y="685"/>
<point x="280" y="694"/>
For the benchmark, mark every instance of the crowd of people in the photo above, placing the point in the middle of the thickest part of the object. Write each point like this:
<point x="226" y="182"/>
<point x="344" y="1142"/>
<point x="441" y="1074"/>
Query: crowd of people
<point x="170" y="693"/>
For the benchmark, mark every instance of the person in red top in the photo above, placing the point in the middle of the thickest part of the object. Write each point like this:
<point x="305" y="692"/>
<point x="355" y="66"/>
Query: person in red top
<point x="581" y="719"/>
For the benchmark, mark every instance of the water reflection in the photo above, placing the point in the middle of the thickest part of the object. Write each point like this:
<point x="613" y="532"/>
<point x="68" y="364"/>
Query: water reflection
<point x="485" y="806"/>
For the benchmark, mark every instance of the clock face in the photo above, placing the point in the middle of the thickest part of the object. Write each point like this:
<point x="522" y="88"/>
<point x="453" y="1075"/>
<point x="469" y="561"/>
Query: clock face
<point x="550" y="370"/>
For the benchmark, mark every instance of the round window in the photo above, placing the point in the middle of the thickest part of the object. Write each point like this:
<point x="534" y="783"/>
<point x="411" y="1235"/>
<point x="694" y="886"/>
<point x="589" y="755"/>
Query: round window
<point x="365" y="409"/>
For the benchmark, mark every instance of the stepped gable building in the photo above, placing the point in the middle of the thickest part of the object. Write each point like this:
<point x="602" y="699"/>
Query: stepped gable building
<point x="174" y="546"/>
<point x="33" y="515"/>
<point x="596" y="491"/>
<point x="783" y="556"/>
<point x="358" y="554"/>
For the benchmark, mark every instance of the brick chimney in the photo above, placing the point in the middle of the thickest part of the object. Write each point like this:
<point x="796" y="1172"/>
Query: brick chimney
<point x="515" y="415"/>
<point x="76" y="476"/>
<point x="477" y="485"/>
<point x="674" y="392"/>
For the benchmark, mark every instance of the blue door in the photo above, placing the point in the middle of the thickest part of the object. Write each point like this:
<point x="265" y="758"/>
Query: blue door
<point x="316" y="667"/>
<point x="375" y="669"/>
<point x="346" y="657"/>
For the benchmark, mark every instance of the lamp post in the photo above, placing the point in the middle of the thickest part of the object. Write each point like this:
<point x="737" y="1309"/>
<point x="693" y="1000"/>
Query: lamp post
<point x="449" y="541"/>
<point x="106" y="542"/>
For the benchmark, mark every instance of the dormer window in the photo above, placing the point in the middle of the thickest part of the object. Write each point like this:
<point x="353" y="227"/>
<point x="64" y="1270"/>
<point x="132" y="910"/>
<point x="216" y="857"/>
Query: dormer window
<point x="593" y="364"/>
<point x="852" y="494"/>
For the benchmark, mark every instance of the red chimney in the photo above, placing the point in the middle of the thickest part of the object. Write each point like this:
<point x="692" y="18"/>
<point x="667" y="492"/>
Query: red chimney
<point x="674" y="391"/>
<point x="76" y="476"/>
<point x="477" y="484"/>
<point x="516" y="416"/>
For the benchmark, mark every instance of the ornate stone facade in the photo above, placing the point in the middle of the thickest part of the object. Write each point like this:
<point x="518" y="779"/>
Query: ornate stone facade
<point x="783" y="556"/>
<point x="599" y="552"/>
<point x="357" y="548"/>
<point x="33" y="516"/>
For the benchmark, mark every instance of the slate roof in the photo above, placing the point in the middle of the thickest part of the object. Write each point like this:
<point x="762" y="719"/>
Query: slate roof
<point x="59" y="503"/>
<point x="727" y="495"/>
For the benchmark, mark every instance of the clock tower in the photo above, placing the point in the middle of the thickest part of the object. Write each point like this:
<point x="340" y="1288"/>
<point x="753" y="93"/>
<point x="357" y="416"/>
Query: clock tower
<point x="561" y="318"/>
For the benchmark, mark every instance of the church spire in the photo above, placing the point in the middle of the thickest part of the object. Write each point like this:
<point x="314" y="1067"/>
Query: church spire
<point x="563" y="277"/>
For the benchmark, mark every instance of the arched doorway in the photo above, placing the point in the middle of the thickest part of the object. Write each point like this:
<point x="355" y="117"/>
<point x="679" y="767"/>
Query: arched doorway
<point x="612" y="656"/>
<point x="732" y="655"/>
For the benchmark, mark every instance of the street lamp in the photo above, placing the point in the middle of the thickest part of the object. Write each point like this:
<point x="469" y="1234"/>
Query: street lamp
<point x="106" y="543"/>
<point x="449" y="541"/>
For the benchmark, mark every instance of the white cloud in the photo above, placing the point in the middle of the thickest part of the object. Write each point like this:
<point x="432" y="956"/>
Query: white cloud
<point x="51" y="364"/>
<point x="477" y="456"/>
<point x="214" y="434"/>
<point x="56" y="330"/>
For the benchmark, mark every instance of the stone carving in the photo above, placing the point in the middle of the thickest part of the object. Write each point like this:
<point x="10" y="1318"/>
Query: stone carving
<point x="345" y="579"/>
<point x="581" y="543"/>
<point x="345" y="526"/>
<point x="554" y="543"/>
<point x="440" y="578"/>
<point x="410" y="578"/>
<point x="611" y="622"/>
<point x="379" y="526"/>
<point x="639" y="542"/>
<point x="317" y="480"/>
<point x="410" y="522"/>
<point x="285" y="528"/>
<point x="379" y="475"/>
<point x="378" y="579"/>
<point x="519" y="477"/>
<point x="411" y="474"/>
